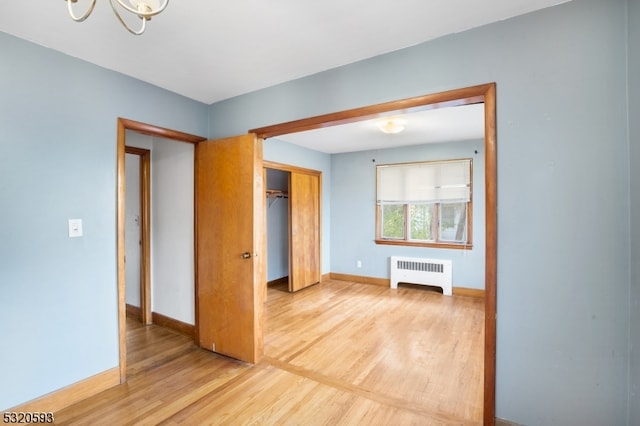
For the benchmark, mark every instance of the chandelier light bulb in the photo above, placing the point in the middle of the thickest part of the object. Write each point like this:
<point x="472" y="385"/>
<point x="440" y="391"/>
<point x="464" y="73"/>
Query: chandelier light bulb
<point x="145" y="7"/>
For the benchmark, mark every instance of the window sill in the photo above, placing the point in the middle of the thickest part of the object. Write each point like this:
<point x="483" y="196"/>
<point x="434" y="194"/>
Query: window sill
<point x="425" y="244"/>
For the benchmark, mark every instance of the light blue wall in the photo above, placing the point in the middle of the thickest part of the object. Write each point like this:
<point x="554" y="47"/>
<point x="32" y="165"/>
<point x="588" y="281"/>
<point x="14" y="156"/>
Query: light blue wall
<point x="58" y="306"/>
<point x="563" y="190"/>
<point x="353" y="196"/>
<point x="634" y="134"/>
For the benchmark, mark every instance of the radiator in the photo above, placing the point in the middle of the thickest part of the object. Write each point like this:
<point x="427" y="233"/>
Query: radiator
<point x="412" y="270"/>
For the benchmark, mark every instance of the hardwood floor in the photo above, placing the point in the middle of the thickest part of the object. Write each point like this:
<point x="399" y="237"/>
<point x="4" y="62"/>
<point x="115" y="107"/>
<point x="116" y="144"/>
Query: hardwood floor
<point x="338" y="353"/>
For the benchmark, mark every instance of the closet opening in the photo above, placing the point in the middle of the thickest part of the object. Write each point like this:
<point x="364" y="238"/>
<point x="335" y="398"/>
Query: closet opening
<point x="277" y="212"/>
<point x="293" y="211"/>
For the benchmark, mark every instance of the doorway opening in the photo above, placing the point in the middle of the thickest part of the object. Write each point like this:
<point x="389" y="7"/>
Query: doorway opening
<point x="293" y="215"/>
<point x="125" y="126"/>
<point x="277" y="211"/>
<point x="137" y="234"/>
<point x="485" y="94"/>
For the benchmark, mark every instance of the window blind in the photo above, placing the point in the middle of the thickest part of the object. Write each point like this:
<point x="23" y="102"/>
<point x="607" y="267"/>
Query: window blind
<point x="423" y="183"/>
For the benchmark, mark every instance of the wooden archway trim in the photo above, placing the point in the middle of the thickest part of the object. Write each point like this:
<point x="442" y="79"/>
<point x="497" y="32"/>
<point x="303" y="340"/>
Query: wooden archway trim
<point x="159" y="132"/>
<point x="466" y="96"/>
<point x="485" y="93"/>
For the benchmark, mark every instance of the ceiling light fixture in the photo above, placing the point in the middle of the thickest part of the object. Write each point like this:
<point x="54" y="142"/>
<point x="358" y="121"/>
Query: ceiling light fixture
<point x="144" y="9"/>
<point x="391" y="125"/>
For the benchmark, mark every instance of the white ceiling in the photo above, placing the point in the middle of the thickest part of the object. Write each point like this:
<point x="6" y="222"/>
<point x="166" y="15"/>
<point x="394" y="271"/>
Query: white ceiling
<point x="210" y="50"/>
<point x="430" y="126"/>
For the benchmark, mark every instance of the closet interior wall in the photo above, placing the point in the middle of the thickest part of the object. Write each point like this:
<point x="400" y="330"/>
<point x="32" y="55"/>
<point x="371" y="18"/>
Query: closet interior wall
<point x="277" y="184"/>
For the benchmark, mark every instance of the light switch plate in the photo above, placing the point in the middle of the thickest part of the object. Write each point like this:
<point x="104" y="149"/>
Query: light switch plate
<point x="75" y="228"/>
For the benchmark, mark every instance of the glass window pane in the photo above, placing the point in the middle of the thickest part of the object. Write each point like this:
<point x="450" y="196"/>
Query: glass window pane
<point x="453" y="222"/>
<point x="392" y="221"/>
<point x="421" y="219"/>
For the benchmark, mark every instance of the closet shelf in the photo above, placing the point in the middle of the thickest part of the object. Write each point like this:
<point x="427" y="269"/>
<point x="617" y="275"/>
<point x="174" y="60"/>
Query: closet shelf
<point x="277" y="193"/>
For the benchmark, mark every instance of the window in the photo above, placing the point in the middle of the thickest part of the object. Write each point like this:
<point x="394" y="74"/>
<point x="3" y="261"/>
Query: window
<point x="424" y="204"/>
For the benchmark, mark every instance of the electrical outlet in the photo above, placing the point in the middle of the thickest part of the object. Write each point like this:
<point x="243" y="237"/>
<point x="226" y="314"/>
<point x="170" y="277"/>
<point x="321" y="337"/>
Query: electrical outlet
<point x="359" y="264"/>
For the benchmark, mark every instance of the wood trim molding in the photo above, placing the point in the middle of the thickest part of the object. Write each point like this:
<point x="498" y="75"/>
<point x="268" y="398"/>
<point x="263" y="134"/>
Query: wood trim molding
<point x="289" y="168"/>
<point x="469" y="292"/>
<point x="145" y="230"/>
<point x="73" y="393"/>
<point x="465" y="96"/>
<point x="135" y="150"/>
<point x="174" y="324"/>
<point x="383" y="282"/>
<point x="133" y="312"/>
<point x="120" y="244"/>
<point x="160" y="132"/>
<point x="491" y="253"/>
<point x="422" y="244"/>
<point x="163" y="321"/>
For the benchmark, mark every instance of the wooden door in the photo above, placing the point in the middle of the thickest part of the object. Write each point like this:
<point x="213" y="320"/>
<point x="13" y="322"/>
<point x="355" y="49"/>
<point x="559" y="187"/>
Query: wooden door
<point x="304" y="215"/>
<point x="230" y="251"/>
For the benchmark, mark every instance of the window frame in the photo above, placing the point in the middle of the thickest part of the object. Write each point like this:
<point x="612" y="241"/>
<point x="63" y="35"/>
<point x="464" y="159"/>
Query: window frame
<point x="405" y="241"/>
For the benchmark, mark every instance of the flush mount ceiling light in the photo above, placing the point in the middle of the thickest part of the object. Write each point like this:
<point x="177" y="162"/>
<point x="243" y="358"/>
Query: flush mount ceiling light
<point x="143" y="9"/>
<point x="391" y="125"/>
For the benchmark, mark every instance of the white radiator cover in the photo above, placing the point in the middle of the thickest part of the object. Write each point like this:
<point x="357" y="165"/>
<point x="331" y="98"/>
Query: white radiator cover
<point x="414" y="270"/>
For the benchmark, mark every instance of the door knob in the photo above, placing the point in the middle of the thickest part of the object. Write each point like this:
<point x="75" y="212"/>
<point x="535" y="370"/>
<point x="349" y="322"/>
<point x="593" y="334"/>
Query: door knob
<point x="246" y="255"/>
